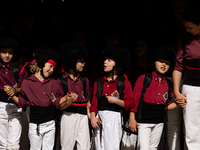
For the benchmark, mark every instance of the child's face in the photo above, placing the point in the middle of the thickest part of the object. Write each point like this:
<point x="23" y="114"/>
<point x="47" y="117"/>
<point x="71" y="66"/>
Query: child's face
<point x="6" y="54"/>
<point x="162" y="66"/>
<point x="109" y="63"/>
<point x="80" y="65"/>
<point x="48" y="70"/>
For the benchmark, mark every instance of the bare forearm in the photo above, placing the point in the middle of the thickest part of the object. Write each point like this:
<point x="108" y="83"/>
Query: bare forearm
<point x="64" y="103"/>
<point x="17" y="90"/>
<point x="173" y="106"/>
<point x="120" y="103"/>
<point x="176" y="81"/>
<point x="15" y="99"/>
<point x="93" y="115"/>
<point x="132" y="115"/>
<point x="63" y="100"/>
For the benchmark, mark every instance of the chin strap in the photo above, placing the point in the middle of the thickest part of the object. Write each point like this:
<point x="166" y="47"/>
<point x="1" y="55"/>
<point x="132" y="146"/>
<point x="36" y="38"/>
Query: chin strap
<point x="42" y="74"/>
<point x="75" y="71"/>
<point x="161" y="75"/>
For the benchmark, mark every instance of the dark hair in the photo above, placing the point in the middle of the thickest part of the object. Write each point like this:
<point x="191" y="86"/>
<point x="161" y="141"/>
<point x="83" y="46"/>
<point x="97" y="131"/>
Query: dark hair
<point x="192" y="15"/>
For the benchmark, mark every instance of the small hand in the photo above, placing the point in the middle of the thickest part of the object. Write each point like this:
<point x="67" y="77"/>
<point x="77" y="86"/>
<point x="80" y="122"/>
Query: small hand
<point x="133" y="125"/>
<point x="71" y="97"/>
<point x="95" y="122"/>
<point x="10" y="91"/>
<point x="75" y="96"/>
<point x="111" y="99"/>
<point x="181" y="100"/>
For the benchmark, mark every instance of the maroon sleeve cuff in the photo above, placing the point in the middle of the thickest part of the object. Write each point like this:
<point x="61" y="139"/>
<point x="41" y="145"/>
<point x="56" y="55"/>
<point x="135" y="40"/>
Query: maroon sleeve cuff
<point x="21" y="102"/>
<point x="57" y="101"/>
<point x="133" y="110"/>
<point x="93" y="109"/>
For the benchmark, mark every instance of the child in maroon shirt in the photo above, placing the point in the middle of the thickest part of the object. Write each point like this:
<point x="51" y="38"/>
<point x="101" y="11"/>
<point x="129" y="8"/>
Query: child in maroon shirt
<point x="10" y="115"/>
<point x="155" y="100"/>
<point x="42" y="93"/>
<point x="74" y="120"/>
<point x="106" y="111"/>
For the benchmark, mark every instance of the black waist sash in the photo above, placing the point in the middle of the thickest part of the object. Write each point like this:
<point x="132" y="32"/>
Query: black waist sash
<point x="77" y="109"/>
<point x="192" y="76"/>
<point x="152" y="113"/>
<point x="40" y="115"/>
<point x="103" y="104"/>
<point x="4" y="97"/>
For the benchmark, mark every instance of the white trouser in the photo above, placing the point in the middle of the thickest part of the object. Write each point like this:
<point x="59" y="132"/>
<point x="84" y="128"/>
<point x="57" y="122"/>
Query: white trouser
<point x="10" y="126"/>
<point x="149" y="135"/>
<point x="74" y="128"/>
<point x="173" y="128"/>
<point x="173" y="125"/>
<point x="191" y="114"/>
<point x="110" y="136"/>
<point x="128" y="141"/>
<point x="45" y="140"/>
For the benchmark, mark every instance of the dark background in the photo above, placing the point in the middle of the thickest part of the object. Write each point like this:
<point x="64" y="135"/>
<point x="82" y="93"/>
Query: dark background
<point x="95" y="25"/>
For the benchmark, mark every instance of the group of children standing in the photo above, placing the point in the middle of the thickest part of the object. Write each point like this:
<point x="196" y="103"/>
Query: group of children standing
<point x="69" y="93"/>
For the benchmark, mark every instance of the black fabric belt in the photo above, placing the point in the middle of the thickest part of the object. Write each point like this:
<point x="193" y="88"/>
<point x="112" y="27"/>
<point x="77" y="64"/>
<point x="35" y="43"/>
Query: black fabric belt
<point x="76" y="109"/>
<point x="191" y="75"/>
<point x="40" y="115"/>
<point x="4" y="97"/>
<point x="103" y="104"/>
<point x="152" y="113"/>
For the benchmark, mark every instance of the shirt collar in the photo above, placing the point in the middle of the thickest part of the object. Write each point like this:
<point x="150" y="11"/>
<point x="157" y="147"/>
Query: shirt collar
<point x="34" y="78"/>
<point x="66" y="75"/>
<point x="106" y="79"/>
<point x="156" y="77"/>
<point x="8" y="65"/>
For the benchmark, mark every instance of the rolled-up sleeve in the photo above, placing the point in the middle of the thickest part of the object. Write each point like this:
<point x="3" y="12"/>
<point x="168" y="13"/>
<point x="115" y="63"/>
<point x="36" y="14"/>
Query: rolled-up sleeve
<point x="58" y="92"/>
<point x="128" y="95"/>
<point x="179" y="56"/>
<point x="23" y="100"/>
<point x="93" y="107"/>
<point x="137" y="90"/>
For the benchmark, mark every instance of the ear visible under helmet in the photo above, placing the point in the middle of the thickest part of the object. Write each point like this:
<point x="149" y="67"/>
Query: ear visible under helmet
<point x="71" y="52"/>
<point x="165" y="53"/>
<point x="120" y="55"/>
<point x="43" y="54"/>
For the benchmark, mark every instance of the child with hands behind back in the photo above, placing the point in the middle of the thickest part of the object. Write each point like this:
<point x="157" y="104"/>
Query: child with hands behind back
<point x="155" y="100"/>
<point x="106" y="108"/>
<point x="43" y="94"/>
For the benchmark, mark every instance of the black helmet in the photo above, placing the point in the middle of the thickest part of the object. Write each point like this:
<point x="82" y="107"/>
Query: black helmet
<point x="71" y="52"/>
<point x="9" y="39"/>
<point x="120" y="55"/>
<point x="165" y="53"/>
<point x="43" y="54"/>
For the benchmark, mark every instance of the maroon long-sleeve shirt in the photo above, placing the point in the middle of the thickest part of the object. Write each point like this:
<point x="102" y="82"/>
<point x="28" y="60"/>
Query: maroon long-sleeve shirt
<point x="110" y="88"/>
<point x="156" y="93"/>
<point x="77" y="87"/>
<point x="37" y="93"/>
<point x="7" y="77"/>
